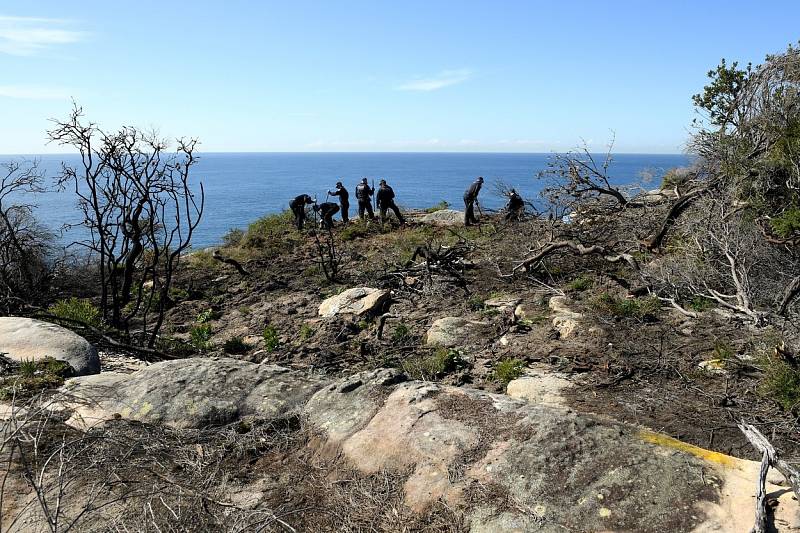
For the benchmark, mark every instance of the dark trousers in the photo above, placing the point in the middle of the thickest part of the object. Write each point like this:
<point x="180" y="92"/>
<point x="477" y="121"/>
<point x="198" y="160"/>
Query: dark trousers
<point x="299" y="216"/>
<point x="345" y="212"/>
<point x="514" y="214"/>
<point x="365" y="205"/>
<point x="391" y="205"/>
<point x="469" y="212"/>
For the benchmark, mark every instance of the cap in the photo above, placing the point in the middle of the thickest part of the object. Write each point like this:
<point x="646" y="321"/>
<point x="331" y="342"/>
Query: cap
<point x="338" y="183"/>
<point x="363" y="180"/>
<point x="383" y="182"/>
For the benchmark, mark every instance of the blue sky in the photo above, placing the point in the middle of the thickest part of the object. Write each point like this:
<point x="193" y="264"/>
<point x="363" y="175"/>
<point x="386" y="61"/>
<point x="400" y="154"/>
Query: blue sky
<point x="509" y="76"/>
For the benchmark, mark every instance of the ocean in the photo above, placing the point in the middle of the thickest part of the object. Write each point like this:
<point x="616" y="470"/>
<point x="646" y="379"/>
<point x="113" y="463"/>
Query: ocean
<point x="241" y="187"/>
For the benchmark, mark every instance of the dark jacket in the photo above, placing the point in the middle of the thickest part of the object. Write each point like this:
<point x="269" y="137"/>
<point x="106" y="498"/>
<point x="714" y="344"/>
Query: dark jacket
<point x="341" y="192"/>
<point x="515" y="202"/>
<point x="300" y="201"/>
<point x="328" y="208"/>
<point x="363" y="192"/>
<point x="471" y="194"/>
<point x="385" y="195"/>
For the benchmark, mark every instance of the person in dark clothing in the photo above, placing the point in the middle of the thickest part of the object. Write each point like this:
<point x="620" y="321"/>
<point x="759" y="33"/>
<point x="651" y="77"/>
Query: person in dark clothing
<point x="515" y="206"/>
<point x="364" y="196"/>
<point x="326" y="211"/>
<point x="298" y="207"/>
<point x="386" y="201"/>
<point x="344" y="200"/>
<point x="470" y="198"/>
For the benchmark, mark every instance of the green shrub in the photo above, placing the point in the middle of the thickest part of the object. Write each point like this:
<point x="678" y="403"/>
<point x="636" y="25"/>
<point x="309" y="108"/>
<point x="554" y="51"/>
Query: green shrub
<point x="701" y="303"/>
<point x="173" y="346"/>
<point x="787" y="224"/>
<point x="271" y="233"/>
<point x="271" y="339"/>
<point x="780" y="382"/>
<point x="207" y="316"/>
<point x="401" y="333"/>
<point x="354" y="231"/>
<point x="201" y="335"/>
<point x="475" y="302"/>
<point x="507" y="370"/>
<point x="27" y="368"/>
<point x="638" y="308"/>
<point x="233" y="237"/>
<point x="235" y="346"/>
<point x="438" y="207"/>
<point x="581" y="283"/>
<point x="76" y="309"/>
<point x="306" y="332"/>
<point x="432" y="366"/>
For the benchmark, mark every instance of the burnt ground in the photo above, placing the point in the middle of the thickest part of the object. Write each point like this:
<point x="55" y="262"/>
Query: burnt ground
<point x="642" y="370"/>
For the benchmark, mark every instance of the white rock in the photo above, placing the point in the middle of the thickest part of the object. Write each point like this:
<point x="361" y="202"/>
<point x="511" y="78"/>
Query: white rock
<point x="25" y="339"/>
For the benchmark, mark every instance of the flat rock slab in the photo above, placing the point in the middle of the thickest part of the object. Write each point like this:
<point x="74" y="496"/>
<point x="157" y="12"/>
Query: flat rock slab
<point x="356" y="301"/>
<point x="452" y="331"/>
<point x="539" y="386"/>
<point x="25" y="339"/>
<point x="188" y="393"/>
<point x="444" y="217"/>
<point x="564" y="471"/>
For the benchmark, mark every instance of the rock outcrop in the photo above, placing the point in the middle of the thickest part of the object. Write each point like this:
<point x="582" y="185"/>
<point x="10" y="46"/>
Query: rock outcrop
<point x="444" y="217"/>
<point x="565" y="320"/>
<point x="188" y="393"/>
<point x="25" y="339"/>
<point x="356" y="301"/>
<point x="451" y="331"/>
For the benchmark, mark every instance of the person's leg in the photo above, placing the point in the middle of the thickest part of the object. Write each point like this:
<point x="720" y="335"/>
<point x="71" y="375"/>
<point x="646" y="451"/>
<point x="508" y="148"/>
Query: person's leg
<point x="468" y="215"/>
<point x="383" y="209"/>
<point x="301" y="218"/>
<point x="397" y="213"/>
<point x="345" y="214"/>
<point x="361" y="210"/>
<point x="370" y="211"/>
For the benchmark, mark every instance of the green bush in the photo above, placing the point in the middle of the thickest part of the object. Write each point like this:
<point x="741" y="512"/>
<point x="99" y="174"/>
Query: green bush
<point x="581" y="283"/>
<point x="173" y="346"/>
<point x="475" y="302"/>
<point x="780" y="382"/>
<point x="401" y="333"/>
<point x="76" y="309"/>
<point x="207" y="316"/>
<point x="233" y="237"/>
<point x="271" y="233"/>
<point x="617" y="307"/>
<point x="507" y="370"/>
<point x="432" y="366"/>
<point x="271" y="339"/>
<point x="235" y="346"/>
<point x="438" y="207"/>
<point x="787" y="224"/>
<point x="201" y="335"/>
<point x="701" y="303"/>
<point x="354" y="231"/>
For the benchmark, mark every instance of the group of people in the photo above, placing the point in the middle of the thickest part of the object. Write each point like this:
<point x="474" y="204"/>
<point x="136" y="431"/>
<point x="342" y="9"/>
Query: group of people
<point x="384" y="198"/>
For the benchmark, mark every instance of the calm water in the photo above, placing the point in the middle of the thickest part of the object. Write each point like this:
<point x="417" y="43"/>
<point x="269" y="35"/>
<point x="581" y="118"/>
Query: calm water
<point x="242" y="187"/>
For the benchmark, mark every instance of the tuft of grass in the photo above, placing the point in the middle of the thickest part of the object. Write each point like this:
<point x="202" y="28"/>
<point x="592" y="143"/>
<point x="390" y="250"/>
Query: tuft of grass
<point x="235" y="346"/>
<point x="508" y="370"/>
<point x="476" y="303"/>
<point x="272" y="234"/>
<point x="781" y="382"/>
<point x="580" y="284"/>
<point x="271" y="339"/>
<point x="432" y="366"/>
<point x="233" y="237"/>
<point x="76" y="309"/>
<point x="616" y="307"/>
<point x="173" y="346"/>
<point x="200" y="336"/>
<point x="306" y="332"/>
<point x="32" y="377"/>
<point x="354" y="231"/>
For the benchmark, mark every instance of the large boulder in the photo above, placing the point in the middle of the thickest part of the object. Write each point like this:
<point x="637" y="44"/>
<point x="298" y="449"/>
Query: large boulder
<point x="355" y="301"/>
<point x="444" y="217"/>
<point x="476" y="452"/>
<point x="25" y="339"/>
<point x="188" y="393"/>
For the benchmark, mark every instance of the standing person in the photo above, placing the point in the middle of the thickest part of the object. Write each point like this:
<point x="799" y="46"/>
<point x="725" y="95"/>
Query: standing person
<point x="364" y="196"/>
<point x="385" y="199"/>
<point x="326" y="211"/>
<point x="344" y="200"/>
<point x="298" y="207"/>
<point x="515" y="206"/>
<point x="470" y="198"/>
